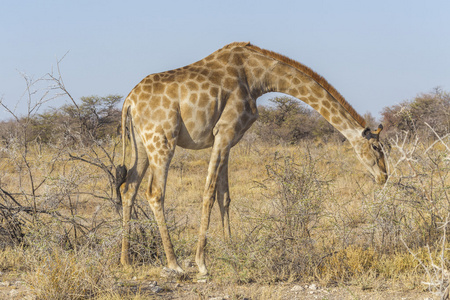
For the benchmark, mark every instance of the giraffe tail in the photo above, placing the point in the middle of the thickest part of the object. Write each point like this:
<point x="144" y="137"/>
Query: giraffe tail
<point x="121" y="170"/>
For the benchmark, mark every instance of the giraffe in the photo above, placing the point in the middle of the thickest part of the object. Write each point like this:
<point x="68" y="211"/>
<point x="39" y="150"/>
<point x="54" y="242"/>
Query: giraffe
<point x="211" y="103"/>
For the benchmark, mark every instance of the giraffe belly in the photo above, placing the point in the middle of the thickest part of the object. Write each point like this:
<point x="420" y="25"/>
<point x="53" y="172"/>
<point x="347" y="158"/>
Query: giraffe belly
<point x="197" y="122"/>
<point x="194" y="140"/>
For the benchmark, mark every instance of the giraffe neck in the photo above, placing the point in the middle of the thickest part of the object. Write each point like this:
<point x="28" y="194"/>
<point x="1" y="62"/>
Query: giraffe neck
<point x="284" y="78"/>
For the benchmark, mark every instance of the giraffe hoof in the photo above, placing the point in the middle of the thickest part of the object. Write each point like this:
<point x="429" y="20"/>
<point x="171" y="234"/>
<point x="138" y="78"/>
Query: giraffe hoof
<point x="202" y="278"/>
<point x="171" y="273"/>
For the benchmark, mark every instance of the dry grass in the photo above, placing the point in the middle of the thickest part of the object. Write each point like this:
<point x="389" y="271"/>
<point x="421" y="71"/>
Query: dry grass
<point x="299" y="214"/>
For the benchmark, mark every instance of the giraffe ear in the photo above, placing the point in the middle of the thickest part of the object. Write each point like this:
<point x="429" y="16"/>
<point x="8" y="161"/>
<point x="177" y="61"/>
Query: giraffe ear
<point x="367" y="133"/>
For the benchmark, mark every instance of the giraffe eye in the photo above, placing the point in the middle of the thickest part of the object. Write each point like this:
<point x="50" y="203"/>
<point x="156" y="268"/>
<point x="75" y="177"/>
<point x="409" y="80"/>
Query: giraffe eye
<point x="376" y="148"/>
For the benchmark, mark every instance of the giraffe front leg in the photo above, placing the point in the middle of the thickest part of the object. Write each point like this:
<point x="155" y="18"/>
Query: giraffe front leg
<point x="219" y="157"/>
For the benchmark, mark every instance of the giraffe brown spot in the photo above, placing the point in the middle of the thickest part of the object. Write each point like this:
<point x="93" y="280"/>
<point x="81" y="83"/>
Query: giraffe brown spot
<point x="183" y="92"/>
<point x="138" y="89"/>
<point x="186" y="111"/>
<point x="214" y="65"/>
<point x="252" y="62"/>
<point x="326" y="103"/>
<point x="216" y="77"/>
<point x="166" y="102"/>
<point x="154" y="102"/>
<point x="317" y="90"/>
<point x="159" y="115"/>
<point x="294" y="92"/>
<point x="158" y="88"/>
<point x="204" y="99"/>
<point x="172" y="114"/>
<point x="204" y="72"/>
<point x="229" y="116"/>
<point x="205" y="86"/>
<point x="283" y="84"/>
<point x="192" y="86"/>
<point x="303" y="90"/>
<point x="156" y="77"/>
<point x="167" y="125"/>
<point x="147" y="88"/>
<point x="257" y="72"/>
<point x="146" y="113"/>
<point x="147" y="136"/>
<point x="224" y="57"/>
<point x="296" y="81"/>
<point x="236" y="59"/>
<point x="232" y="71"/>
<point x="325" y="113"/>
<point x="149" y="127"/>
<point x="266" y="63"/>
<point x="214" y="92"/>
<point x="201" y="78"/>
<point x="189" y="125"/>
<point x="239" y="107"/>
<point x="336" y="120"/>
<point x="172" y="90"/>
<point x="209" y="58"/>
<point x="141" y="106"/>
<point x="193" y="99"/>
<point x="229" y="83"/>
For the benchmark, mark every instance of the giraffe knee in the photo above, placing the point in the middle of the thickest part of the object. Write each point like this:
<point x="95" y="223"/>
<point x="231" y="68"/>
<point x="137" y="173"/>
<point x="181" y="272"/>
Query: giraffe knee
<point x="154" y="197"/>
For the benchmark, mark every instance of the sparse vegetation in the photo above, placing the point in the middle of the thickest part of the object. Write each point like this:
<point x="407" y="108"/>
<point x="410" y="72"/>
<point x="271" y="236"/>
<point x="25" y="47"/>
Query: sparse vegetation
<point x="302" y="210"/>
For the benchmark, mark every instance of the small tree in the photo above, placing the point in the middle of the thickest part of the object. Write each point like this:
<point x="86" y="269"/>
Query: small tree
<point x="413" y="116"/>
<point x="289" y="120"/>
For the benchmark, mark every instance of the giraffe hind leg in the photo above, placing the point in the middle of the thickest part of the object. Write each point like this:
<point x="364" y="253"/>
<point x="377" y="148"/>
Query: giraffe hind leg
<point x="159" y="167"/>
<point x="129" y="189"/>
<point x="223" y="199"/>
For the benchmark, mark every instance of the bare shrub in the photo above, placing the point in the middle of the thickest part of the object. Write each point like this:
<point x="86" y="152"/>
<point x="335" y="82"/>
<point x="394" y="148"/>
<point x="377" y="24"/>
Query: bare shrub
<point x="280" y="241"/>
<point x="57" y="274"/>
<point x="416" y="201"/>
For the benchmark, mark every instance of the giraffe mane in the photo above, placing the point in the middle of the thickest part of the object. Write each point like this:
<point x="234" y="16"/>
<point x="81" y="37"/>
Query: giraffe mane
<point x="307" y="71"/>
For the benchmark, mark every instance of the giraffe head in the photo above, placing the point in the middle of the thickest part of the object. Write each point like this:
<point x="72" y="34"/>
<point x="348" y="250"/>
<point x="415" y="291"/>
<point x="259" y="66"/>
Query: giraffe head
<point x="370" y="153"/>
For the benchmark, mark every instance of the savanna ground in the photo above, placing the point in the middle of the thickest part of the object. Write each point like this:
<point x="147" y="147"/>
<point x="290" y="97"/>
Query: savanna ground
<point x="308" y="222"/>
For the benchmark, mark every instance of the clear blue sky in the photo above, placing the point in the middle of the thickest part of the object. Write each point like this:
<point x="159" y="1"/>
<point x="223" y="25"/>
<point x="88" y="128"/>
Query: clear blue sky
<point x="376" y="53"/>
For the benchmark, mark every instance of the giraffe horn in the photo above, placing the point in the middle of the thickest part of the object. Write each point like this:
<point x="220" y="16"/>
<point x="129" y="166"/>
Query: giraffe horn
<point x="377" y="132"/>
